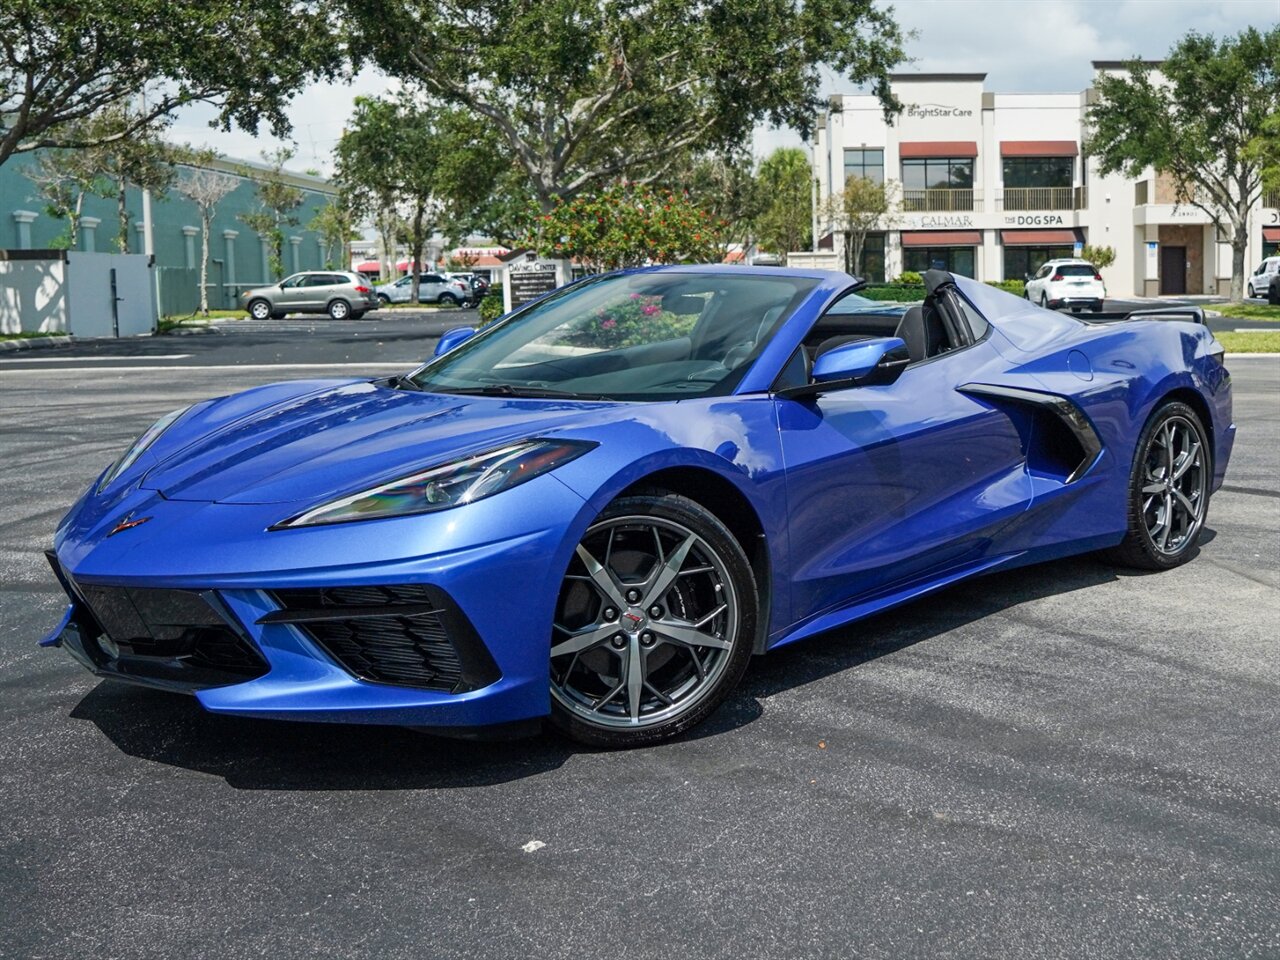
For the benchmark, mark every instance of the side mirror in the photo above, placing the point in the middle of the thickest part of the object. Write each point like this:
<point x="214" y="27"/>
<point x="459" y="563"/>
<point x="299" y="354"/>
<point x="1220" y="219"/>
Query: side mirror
<point x="451" y="338"/>
<point x="863" y="363"/>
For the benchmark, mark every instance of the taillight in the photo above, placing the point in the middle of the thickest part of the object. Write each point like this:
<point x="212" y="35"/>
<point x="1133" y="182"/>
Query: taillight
<point x="1097" y="275"/>
<point x="363" y="290"/>
<point x="1056" y="277"/>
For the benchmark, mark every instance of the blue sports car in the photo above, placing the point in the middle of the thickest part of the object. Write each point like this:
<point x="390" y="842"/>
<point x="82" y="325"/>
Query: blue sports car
<point x="598" y="508"/>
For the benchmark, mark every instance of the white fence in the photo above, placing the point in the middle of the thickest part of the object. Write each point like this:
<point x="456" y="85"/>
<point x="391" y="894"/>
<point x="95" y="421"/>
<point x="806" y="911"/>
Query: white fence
<point x="86" y="294"/>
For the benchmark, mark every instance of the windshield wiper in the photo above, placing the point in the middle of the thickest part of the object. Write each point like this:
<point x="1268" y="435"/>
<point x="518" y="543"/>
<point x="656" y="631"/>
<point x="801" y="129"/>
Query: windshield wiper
<point x="403" y="382"/>
<point x="508" y="390"/>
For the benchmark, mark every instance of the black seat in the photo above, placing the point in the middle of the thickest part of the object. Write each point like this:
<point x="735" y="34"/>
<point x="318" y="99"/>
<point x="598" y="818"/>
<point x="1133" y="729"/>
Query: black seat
<point x="832" y="342"/>
<point x="922" y="330"/>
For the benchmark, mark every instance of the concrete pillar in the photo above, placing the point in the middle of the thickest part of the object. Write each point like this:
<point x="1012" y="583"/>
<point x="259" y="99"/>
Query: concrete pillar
<point x="24" y="219"/>
<point x="295" y="253"/>
<point x="189" y="244"/>
<point x="230" y="268"/>
<point x="89" y="233"/>
<point x="320" y="264"/>
<point x="265" y="244"/>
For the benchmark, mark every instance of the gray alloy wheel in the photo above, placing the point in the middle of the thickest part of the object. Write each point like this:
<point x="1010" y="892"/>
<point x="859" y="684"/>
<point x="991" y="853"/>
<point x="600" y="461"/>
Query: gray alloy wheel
<point x="447" y="298"/>
<point x="653" y="624"/>
<point x="1169" y="490"/>
<point x="339" y="310"/>
<point x="384" y="299"/>
<point x="259" y="309"/>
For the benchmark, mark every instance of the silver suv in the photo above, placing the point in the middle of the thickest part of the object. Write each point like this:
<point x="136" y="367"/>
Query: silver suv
<point x="343" y="296"/>
<point x="432" y="288"/>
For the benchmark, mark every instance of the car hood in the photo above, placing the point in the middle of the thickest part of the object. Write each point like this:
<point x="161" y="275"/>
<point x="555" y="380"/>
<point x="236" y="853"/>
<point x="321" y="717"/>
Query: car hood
<point x="339" y="439"/>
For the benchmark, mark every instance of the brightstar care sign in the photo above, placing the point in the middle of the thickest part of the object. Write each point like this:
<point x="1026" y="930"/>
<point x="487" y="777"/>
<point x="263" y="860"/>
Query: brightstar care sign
<point x="927" y="110"/>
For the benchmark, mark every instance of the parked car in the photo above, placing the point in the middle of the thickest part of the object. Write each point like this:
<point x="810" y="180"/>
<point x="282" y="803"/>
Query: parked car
<point x="479" y="285"/>
<point x="1074" y="284"/>
<point x="1262" y="279"/>
<point x="432" y="288"/>
<point x="599" y="510"/>
<point x="342" y="295"/>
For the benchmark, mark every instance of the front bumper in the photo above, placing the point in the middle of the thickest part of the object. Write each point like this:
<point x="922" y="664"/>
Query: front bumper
<point x="497" y="564"/>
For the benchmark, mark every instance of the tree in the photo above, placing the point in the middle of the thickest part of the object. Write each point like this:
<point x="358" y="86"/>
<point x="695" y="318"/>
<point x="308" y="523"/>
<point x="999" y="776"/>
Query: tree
<point x="627" y="226"/>
<point x="786" y="180"/>
<point x="61" y="63"/>
<point x="1195" y="123"/>
<point x="335" y="221"/>
<point x="1264" y="149"/>
<point x="861" y="208"/>
<point x="277" y="201"/>
<point x="586" y="92"/>
<point x="63" y="178"/>
<point x="206" y="188"/>
<point x="1098" y="256"/>
<point x="725" y="184"/>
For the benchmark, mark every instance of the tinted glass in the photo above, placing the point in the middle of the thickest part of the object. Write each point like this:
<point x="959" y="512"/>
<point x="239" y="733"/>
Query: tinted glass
<point x="1074" y="270"/>
<point x="648" y="336"/>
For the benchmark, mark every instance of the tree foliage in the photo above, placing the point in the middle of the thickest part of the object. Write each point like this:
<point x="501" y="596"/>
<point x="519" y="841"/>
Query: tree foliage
<point x="62" y="62"/>
<point x="206" y="188"/>
<point x="336" y="223"/>
<point x="725" y="184"/>
<point x="63" y="178"/>
<point x="863" y="207"/>
<point x="627" y="226"/>
<point x="1195" y="121"/>
<point x="786" y="181"/>
<point x="277" y="202"/>
<point x="1098" y="256"/>
<point x="586" y="91"/>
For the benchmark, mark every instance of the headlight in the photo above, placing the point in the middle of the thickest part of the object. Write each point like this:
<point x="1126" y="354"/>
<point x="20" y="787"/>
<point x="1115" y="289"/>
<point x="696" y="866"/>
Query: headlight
<point x="448" y="485"/>
<point x="139" y="446"/>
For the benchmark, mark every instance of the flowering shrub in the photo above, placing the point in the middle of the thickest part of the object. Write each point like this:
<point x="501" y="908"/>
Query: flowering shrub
<point x="634" y="320"/>
<point x="628" y="226"/>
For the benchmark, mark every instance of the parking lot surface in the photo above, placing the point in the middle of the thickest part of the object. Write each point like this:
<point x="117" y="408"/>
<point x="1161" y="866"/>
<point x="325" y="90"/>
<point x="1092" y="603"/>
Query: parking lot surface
<point x="1064" y="761"/>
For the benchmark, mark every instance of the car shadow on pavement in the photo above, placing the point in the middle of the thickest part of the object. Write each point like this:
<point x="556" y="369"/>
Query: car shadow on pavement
<point x="264" y="755"/>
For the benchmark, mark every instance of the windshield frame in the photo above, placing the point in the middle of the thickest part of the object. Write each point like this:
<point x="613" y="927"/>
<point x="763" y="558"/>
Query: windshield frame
<point x="802" y="288"/>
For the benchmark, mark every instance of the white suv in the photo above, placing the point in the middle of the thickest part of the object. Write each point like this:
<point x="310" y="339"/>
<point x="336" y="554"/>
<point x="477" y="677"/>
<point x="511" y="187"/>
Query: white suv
<point x="1260" y="282"/>
<point x="1067" y="283"/>
<point x="432" y="288"/>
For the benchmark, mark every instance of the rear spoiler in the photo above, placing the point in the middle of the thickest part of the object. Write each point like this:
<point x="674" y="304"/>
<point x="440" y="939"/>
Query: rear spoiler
<point x="1187" y="314"/>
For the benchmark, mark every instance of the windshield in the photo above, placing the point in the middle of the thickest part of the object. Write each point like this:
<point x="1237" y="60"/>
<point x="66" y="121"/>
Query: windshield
<point x="644" y="336"/>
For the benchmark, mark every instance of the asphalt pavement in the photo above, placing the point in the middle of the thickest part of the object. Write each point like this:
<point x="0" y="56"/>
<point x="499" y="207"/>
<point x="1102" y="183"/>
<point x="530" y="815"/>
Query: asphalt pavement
<point x="1064" y="761"/>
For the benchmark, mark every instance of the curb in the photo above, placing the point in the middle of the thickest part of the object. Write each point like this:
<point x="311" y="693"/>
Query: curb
<point x="192" y="331"/>
<point x="37" y="343"/>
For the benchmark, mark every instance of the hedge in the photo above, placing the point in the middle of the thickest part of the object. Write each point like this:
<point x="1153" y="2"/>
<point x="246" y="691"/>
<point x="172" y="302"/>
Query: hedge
<point x="908" y="292"/>
<point x="491" y="306"/>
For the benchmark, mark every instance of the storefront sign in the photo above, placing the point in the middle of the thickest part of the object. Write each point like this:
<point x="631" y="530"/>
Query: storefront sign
<point x="1034" y="220"/>
<point x="930" y="110"/>
<point x="529" y="281"/>
<point x="939" y="221"/>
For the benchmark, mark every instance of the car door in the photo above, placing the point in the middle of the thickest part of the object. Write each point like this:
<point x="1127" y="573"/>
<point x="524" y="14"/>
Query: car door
<point x="890" y="483"/>
<point x="1035" y="286"/>
<point x="291" y="295"/>
<point x="430" y="287"/>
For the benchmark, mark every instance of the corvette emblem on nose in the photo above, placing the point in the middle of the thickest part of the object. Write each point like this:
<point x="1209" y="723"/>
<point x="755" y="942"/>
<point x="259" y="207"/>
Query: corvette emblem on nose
<point x="128" y="523"/>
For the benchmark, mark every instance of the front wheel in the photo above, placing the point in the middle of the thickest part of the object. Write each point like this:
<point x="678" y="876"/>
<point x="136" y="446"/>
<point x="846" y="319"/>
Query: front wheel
<point x="447" y="300"/>
<point x="1044" y="302"/>
<point x="339" y="310"/>
<point x="259" y="309"/>
<point x="384" y="299"/>
<point x="1168" y="490"/>
<point x="654" y="623"/>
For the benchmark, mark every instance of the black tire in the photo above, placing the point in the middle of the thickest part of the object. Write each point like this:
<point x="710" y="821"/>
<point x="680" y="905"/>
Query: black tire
<point x="277" y="315"/>
<point x="1273" y="294"/>
<point x="715" y="571"/>
<point x="384" y="299"/>
<point x="339" y="310"/>
<point x="1044" y="302"/>
<point x="259" y="309"/>
<point x="1141" y="547"/>
<point x="447" y="299"/>
<point x="356" y="315"/>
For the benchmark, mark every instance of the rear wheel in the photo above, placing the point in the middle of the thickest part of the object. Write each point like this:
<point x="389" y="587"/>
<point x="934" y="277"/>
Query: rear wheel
<point x="339" y="310"/>
<point x="447" y="300"/>
<point x="1044" y="301"/>
<point x="1168" y="490"/>
<point x="259" y="309"/>
<point x="654" y="623"/>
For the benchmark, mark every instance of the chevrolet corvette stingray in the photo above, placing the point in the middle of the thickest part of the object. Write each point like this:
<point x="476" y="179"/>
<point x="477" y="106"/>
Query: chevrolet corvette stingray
<point x="599" y="507"/>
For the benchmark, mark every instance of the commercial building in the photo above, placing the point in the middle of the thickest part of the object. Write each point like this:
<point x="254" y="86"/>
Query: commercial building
<point x="991" y="185"/>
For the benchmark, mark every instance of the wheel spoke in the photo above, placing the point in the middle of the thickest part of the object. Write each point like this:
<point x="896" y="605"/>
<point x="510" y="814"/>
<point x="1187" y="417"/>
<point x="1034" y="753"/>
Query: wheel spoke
<point x="584" y="639"/>
<point x="1187" y="505"/>
<point x="602" y="578"/>
<point x="635" y="676"/>
<point x="1186" y="461"/>
<point x="666" y="571"/>
<point x="595" y="707"/>
<point x="1156" y="487"/>
<point x="688" y="634"/>
<point x="1168" y="521"/>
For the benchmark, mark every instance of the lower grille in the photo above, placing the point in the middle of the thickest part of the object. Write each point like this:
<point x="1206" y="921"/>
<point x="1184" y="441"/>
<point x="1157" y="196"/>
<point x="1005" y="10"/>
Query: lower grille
<point x="406" y="634"/>
<point x="180" y="637"/>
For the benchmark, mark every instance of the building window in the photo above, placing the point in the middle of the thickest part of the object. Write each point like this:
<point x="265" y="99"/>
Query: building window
<point x="1021" y="262"/>
<point x="1038" y="171"/>
<point x="952" y="259"/>
<point x="864" y="163"/>
<point x="872" y="267"/>
<point x="938" y="173"/>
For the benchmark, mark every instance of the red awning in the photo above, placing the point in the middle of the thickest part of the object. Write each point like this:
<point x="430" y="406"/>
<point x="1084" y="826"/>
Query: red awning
<point x="1039" y="238"/>
<point x="937" y="148"/>
<point x="369" y="266"/>
<point x="1271" y="234"/>
<point x="941" y="238"/>
<point x="1039" y="148"/>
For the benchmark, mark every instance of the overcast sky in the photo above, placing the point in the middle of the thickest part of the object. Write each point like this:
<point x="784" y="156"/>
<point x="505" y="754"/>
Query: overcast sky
<point x="1022" y="46"/>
